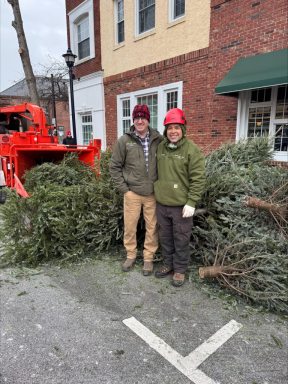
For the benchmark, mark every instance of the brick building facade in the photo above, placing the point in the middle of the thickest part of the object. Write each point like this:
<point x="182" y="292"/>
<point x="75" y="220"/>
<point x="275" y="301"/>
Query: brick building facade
<point x="94" y="64"/>
<point x="190" y="68"/>
<point x="238" y="29"/>
<point x="83" y="27"/>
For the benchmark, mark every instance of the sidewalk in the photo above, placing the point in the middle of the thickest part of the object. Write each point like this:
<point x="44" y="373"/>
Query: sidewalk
<point x="66" y="326"/>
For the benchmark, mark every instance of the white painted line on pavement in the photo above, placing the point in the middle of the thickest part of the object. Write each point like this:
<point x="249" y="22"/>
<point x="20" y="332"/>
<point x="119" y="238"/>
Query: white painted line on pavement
<point x="166" y="351"/>
<point x="154" y="341"/>
<point x="187" y="365"/>
<point x="201" y="353"/>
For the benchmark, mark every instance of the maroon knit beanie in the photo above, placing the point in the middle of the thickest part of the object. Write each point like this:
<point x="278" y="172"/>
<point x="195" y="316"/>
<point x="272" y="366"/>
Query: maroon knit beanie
<point x="141" y="111"/>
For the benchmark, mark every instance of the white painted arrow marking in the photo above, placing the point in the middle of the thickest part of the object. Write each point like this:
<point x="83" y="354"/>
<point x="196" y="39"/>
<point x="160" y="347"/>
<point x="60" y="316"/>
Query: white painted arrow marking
<point x="187" y="365"/>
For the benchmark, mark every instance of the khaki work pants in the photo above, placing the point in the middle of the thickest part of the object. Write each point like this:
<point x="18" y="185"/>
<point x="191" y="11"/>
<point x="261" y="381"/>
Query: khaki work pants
<point x="132" y="210"/>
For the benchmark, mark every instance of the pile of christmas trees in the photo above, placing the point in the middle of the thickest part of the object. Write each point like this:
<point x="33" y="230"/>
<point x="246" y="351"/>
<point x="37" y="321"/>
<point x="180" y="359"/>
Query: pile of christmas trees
<point x="240" y="235"/>
<point x="72" y="213"/>
<point x="242" y="239"/>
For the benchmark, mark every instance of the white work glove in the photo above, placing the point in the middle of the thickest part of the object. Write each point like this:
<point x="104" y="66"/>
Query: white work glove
<point x="188" y="211"/>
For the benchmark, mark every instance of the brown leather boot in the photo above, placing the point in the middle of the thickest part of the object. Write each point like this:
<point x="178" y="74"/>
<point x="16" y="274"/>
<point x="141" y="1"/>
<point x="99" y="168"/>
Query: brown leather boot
<point x="147" y="268"/>
<point x="163" y="271"/>
<point x="128" y="265"/>
<point x="178" y="279"/>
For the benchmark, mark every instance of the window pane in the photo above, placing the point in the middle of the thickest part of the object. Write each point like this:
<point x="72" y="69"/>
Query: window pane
<point x="259" y="120"/>
<point x="172" y="100"/>
<point x="87" y="129"/>
<point x="282" y="103"/>
<point x="146" y="15"/>
<point x="87" y="118"/>
<point x="261" y="95"/>
<point x="120" y="21"/>
<point x="152" y="102"/>
<point x="126" y="108"/>
<point x="126" y="121"/>
<point x="126" y="126"/>
<point x="179" y="8"/>
<point x="120" y="32"/>
<point x="84" y="49"/>
<point x="83" y="30"/>
<point x="145" y="3"/>
<point x="83" y="39"/>
<point x="120" y="10"/>
<point x="281" y="137"/>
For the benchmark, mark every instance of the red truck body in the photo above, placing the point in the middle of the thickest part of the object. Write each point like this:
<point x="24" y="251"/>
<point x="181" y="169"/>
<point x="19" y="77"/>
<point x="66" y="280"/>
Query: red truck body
<point x="26" y="140"/>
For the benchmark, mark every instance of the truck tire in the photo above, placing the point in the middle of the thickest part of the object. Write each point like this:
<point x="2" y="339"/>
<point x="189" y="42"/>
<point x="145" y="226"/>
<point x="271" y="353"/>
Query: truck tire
<point x="2" y="196"/>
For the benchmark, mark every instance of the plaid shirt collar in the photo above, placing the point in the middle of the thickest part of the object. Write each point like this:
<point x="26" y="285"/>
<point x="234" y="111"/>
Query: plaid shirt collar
<point x="146" y="137"/>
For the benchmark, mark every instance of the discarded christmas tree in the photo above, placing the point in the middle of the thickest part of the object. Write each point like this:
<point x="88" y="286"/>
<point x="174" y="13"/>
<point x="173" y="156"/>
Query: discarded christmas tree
<point x="243" y="238"/>
<point x="240" y="231"/>
<point x="71" y="214"/>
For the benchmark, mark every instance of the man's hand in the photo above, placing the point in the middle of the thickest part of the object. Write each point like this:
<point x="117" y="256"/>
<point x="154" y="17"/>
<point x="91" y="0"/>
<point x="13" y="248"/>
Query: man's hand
<point x="188" y="211"/>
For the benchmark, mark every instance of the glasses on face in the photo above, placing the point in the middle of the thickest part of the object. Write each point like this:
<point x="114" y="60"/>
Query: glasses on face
<point x="139" y="118"/>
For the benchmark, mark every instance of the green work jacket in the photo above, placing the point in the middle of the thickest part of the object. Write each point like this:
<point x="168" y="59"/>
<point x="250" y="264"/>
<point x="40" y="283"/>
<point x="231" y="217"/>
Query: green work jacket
<point x="127" y="166"/>
<point x="181" y="174"/>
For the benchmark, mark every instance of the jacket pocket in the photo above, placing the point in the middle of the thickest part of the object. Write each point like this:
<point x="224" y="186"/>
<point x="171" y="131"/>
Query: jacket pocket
<point x="170" y="193"/>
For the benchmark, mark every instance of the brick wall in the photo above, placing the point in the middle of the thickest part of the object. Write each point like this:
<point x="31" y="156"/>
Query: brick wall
<point x="62" y="114"/>
<point x="240" y="28"/>
<point x="189" y="68"/>
<point x="93" y="65"/>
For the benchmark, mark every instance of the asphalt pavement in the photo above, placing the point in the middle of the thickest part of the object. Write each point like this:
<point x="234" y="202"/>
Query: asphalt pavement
<point x="91" y="323"/>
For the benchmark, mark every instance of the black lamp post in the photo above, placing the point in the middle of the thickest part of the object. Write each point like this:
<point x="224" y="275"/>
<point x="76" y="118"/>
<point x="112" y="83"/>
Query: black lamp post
<point x="54" y="119"/>
<point x="70" y="60"/>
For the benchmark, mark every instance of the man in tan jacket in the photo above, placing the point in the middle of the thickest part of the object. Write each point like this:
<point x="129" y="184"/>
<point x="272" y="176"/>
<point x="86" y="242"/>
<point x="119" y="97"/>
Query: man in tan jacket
<point x="133" y="169"/>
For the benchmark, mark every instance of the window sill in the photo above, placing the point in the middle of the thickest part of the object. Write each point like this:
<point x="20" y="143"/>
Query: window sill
<point x="180" y="20"/>
<point x="145" y="34"/>
<point x="78" y="62"/>
<point x="118" y="46"/>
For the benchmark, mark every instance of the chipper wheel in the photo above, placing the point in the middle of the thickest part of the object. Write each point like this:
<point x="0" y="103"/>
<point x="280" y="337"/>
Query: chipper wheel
<point x="2" y="195"/>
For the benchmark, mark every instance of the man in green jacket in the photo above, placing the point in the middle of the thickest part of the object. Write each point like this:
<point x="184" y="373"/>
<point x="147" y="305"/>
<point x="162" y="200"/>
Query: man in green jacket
<point x="181" y="179"/>
<point x="133" y="168"/>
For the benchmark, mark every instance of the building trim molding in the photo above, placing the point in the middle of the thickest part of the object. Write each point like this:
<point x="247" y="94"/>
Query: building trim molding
<point x="159" y="66"/>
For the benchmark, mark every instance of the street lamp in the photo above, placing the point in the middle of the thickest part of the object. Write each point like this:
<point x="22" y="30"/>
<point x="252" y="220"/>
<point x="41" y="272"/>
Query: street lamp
<point x="70" y="60"/>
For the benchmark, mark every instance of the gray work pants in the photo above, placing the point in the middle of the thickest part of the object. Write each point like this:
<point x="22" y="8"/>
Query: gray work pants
<point x="174" y="234"/>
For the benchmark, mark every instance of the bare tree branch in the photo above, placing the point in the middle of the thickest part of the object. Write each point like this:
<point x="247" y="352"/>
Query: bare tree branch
<point x="24" y="52"/>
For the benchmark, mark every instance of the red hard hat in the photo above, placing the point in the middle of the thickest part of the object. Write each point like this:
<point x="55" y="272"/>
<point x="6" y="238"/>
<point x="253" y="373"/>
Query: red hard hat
<point x="175" y="116"/>
<point x="68" y="133"/>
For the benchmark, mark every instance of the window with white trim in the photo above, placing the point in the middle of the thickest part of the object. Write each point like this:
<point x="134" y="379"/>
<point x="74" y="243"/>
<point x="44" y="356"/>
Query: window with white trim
<point x="159" y="100"/>
<point x="83" y="38"/>
<point x="264" y="112"/>
<point x="152" y="102"/>
<point x="81" y="30"/>
<point x="145" y="15"/>
<point x="176" y="9"/>
<point x="171" y="100"/>
<point x="281" y="120"/>
<point x="119" y="12"/>
<point x="125" y="115"/>
<point x="87" y="128"/>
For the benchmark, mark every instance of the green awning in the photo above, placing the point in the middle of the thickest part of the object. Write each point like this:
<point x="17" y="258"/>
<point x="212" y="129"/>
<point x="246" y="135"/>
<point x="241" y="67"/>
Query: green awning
<point x="256" y="72"/>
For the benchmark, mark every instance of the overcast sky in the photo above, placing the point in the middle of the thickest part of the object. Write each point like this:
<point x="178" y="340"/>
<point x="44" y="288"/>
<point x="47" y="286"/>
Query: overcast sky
<point x="45" y="28"/>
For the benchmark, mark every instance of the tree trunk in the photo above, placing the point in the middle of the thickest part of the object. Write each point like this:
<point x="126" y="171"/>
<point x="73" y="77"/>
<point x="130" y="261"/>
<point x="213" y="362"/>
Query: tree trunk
<point x="24" y="52"/>
<point x="211" y="271"/>
<point x="253" y="202"/>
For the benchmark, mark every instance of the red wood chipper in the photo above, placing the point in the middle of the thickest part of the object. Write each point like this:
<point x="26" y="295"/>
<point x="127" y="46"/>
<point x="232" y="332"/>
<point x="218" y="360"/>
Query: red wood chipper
<point x="26" y="140"/>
